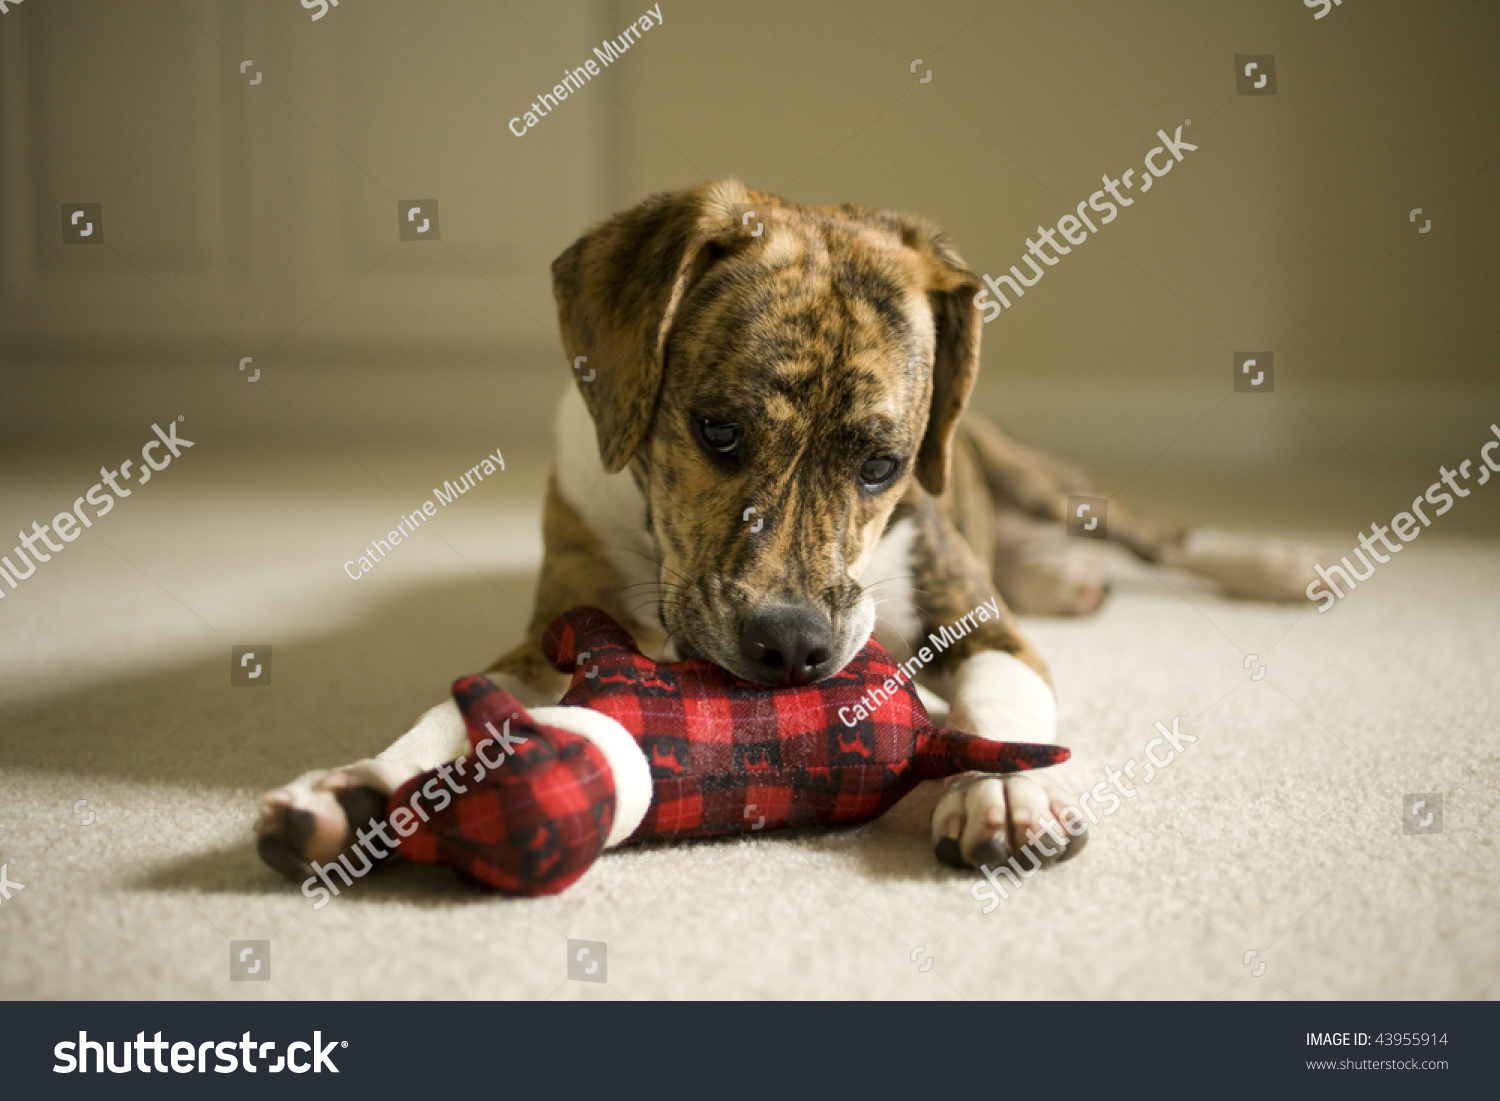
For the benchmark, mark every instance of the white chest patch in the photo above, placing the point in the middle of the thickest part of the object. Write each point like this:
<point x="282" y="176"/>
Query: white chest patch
<point x="610" y="504"/>
<point x="887" y="577"/>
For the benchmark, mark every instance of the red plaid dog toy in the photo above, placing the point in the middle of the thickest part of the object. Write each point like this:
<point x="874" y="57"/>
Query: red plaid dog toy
<point x="725" y="756"/>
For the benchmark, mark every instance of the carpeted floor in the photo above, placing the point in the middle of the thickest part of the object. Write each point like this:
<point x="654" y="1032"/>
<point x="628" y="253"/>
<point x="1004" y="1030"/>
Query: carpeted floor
<point x="1268" y="861"/>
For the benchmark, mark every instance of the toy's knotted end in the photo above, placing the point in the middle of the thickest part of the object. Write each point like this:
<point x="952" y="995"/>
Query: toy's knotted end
<point x="486" y="706"/>
<point x="584" y="631"/>
<point x="943" y="752"/>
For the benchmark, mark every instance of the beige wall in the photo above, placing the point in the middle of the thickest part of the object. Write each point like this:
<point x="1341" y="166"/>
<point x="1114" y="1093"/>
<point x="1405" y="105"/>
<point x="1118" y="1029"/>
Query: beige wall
<point x="235" y="213"/>
<point x="261" y="220"/>
<point x="1287" y="229"/>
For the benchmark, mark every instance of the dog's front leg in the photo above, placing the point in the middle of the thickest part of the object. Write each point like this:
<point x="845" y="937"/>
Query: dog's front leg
<point x="997" y="687"/>
<point x="988" y="820"/>
<point x="316" y="816"/>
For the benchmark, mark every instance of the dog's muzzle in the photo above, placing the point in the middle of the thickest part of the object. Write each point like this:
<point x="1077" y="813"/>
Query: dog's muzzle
<point x="788" y="644"/>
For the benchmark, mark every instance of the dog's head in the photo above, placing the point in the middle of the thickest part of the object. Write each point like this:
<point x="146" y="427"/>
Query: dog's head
<point x="775" y="378"/>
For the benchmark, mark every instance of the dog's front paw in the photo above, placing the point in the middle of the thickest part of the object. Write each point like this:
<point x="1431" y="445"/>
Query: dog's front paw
<point x="988" y="820"/>
<point x="313" y="818"/>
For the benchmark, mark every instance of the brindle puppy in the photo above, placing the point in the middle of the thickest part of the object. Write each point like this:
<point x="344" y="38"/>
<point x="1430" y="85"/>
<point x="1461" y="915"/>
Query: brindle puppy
<point x="767" y="440"/>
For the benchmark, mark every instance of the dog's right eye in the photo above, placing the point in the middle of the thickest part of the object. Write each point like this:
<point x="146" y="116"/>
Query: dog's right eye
<point x="720" y="436"/>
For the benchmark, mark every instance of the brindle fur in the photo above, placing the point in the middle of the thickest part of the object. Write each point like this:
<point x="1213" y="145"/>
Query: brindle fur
<point x="836" y="335"/>
<point x="832" y="336"/>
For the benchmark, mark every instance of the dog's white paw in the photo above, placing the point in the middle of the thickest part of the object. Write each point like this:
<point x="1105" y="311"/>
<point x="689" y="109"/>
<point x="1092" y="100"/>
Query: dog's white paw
<point x="1250" y="567"/>
<point x="985" y="819"/>
<point x="982" y="819"/>
<point x="313" y="818"/>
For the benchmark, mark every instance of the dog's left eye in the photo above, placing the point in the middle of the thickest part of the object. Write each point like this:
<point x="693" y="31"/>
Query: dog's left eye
<point x="720" y="436"/>
<point x="876" y="473"/>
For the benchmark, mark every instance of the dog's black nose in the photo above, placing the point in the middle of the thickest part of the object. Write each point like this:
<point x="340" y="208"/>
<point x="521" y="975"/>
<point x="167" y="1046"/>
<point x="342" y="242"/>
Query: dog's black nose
<point x="787" y="643"/>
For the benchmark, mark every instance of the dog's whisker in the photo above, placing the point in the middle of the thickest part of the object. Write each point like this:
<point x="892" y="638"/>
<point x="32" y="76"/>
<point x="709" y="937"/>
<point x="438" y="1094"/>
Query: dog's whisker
<point x="890" y="580"/>
<point x="654" y="593"/>
<point x="667" y="642"/>
<point x="663" y="605"/>
<point x="660" y="565"/>
<point x="653" y="585"/>
<point x="662" y="595"/>
<point x="647" y="604"/>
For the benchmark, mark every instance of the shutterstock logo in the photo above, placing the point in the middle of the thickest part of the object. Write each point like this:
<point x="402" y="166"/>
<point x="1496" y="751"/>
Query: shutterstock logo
<point x="1335" y="578"/>
<point x="250" y="665"/>
<point x="1255" y="74"/>
<point x="83" y="223"/>
<point x="1075" y="228"/>
<point x="249" y="961"/>
<point x="1253" y="372"/>
<point x="40" y="544"/>
<point x="1088" y="517"/>
<point x="418" y="219"/>
<point x="186" y="1057"/>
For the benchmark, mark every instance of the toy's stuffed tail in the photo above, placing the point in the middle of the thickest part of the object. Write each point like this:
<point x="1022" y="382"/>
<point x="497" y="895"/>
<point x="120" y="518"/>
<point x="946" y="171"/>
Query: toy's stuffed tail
<point x="942" y="752"/>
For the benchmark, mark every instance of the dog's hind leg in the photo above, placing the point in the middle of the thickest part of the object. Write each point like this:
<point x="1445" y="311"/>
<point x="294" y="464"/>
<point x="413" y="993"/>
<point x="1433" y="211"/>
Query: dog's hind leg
<point x="1041" y="571"/>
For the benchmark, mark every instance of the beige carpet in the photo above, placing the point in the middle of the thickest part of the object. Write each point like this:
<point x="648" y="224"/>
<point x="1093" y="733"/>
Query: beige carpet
<point x="129" y="766"/>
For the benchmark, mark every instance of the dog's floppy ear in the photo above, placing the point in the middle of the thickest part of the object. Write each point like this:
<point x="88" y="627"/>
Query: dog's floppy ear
<point x="618" y="288"/>
<point x="951" y="289"/>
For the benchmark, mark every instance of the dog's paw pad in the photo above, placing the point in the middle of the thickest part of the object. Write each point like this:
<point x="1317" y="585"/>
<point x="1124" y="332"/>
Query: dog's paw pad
<point x="990" y="820"/>
<point x="309" y="820"/>
<point x="948" y="852"/>
<point x="283" y="838"/>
